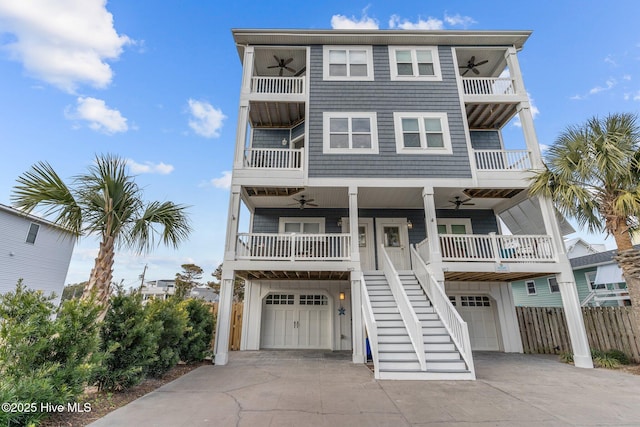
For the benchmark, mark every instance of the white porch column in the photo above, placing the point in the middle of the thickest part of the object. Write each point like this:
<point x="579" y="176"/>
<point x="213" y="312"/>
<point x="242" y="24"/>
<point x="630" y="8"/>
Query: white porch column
<point x="357" y="325"/>
<point x="223" y="323"/>
<point x="353" y="223"/>
<point x="568" y="290"/>
<point x="232" y="224"/>
<point x="431" y="226"/>
<point x="243" y="113"/>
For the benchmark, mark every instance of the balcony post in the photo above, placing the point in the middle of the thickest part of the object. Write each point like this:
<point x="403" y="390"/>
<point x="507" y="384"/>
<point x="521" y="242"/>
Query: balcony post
<point x="431" y="225"/>
<point x="353" y="224"/>
<point x="232" y="224"/>
<point x="495" y="247"/>
<point x="223" y="323"/>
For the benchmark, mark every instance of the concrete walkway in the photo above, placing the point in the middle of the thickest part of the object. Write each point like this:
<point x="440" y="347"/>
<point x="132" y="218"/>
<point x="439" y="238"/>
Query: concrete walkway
<point x="293" y="388"/>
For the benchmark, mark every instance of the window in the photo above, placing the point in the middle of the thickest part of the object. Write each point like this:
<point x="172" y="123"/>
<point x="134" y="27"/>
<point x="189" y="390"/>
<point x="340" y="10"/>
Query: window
<point x="474" y="301"/>
<point x="591" y="280"/>
<point x="554" y="288"/>
<point x="422" y="133"/>
<point x="414" y="63"/>
<point x="301" y="225"/>
<point x="531" y="288"/>
<point x="314" y="300"/>
<point x="350" y="133"/>
<point x="348" y="63"/>
<point x="454" y="226"/>
<point x="279" y="299"/>
<point x="33" y="233"/>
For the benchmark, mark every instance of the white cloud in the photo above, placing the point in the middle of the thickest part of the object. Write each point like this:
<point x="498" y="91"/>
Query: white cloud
<point x="626" y="77"/>
<point x="609" y="84"/>
<point x="63" y="42"/>
<point x="149" y="167"/>
<point x="206" y="120"/>
<point x="100" y="117"/>
<point x="636" y="97"/>
<point x="404" y="24"/>
<point x="458" y="20"/>
<point x="609" y="60"/>
<point x="543" y="147"/>
<point x="341" y="22"/>
<point x="223" y="182"/>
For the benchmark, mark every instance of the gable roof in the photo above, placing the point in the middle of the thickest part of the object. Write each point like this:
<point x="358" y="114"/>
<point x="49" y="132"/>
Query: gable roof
<point x="599" y="258"/>
<point x="31" y="217"/>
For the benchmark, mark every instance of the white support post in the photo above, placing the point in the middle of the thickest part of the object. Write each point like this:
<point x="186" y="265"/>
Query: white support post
<point x="357" y="324"/>
<point x="431" y="225"/>
<point x="243" y="113"/>
<point x="568" y="290"/>
<point x="353" y="223"/>
<point x="223" y="323"/>
<point x="232" y="224"/>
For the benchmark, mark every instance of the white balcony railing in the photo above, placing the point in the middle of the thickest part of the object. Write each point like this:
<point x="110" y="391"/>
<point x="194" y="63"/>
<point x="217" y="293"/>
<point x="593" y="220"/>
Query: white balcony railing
<point x="488" y="86"/>
<point x="273" y="158"/>
<point x="495" y="248"/>
<point x="293" y="247"/>
<point x="456" y="327"/>
<point x="503" y="160"/>
<point x="278" y="85"/>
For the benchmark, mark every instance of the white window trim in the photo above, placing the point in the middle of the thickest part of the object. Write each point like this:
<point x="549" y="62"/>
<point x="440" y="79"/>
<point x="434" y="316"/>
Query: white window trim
<point x="326" y="118"/>
<point x="437" y="73"/>
<point x="586" y="276"/>
<point x="325" y="60"/>
<point x="535" y="288"/>
<point x="448" y="222"/>
<point x="423" y="149"/>
<point x="301" y="220"/>
<point x="551" y="291"/>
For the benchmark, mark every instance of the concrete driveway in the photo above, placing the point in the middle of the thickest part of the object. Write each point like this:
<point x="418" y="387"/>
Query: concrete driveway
<point x="294" y="388"/>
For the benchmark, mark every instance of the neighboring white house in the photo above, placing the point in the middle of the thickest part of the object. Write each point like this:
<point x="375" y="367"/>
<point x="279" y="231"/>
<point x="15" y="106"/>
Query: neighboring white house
<point x="35" y="250"/>
<point x="162" y="289"/>
<point x="376" y="175"/>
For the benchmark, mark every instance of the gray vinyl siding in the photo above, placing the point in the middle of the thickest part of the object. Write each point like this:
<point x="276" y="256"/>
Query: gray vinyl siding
<point x="485" y="140"/>
<point x="385" y="97"/>
<point x="266" y="220"/>
<point x="269" y="138"/>
<point x="297" y="131"/>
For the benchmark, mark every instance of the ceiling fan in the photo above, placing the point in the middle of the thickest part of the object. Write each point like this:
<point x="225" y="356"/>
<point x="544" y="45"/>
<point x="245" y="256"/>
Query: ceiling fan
<point x="302" y="202"/>
<point x="471" y="65"/>
<point x="282" y="64"/>
<point x="457" y="202"/>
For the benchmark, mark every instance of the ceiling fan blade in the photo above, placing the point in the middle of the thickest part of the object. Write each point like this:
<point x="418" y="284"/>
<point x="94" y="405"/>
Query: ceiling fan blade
<point x="280" y="72"/>
<point x="302" y="70"/>
<point x="273" y="66"/>
<point x="277" y="59"/>
<point x="464" y="201"/>
<point x="482" y="62"/>
<point x="287" y="62"/>
<point x="466" y="71"/>
<point x="472" y="60"/>
<point x="290" y="69"/>
<point x="475" y="71"/>
<point x="469" y="204"/>
<point x="311" y="204"/>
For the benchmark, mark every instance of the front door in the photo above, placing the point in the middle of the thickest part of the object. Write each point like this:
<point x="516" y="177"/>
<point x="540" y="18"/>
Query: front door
<point x="394" y="235"/>
<point x="365" y="242"/>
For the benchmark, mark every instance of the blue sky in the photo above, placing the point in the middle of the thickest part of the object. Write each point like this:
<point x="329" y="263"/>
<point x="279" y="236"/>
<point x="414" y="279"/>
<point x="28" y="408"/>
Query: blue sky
<point x="158" y="83"/>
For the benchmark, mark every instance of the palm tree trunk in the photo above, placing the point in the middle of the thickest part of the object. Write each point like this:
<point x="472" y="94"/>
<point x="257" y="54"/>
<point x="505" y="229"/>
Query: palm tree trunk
<point x="628" y="259"/>
<point x="101" y="275"/>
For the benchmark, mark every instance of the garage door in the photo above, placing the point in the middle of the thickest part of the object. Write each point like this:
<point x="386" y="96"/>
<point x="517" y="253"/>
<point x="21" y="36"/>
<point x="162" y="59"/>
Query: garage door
<point x="295" y="321"/>
<point x="479" y="313"/>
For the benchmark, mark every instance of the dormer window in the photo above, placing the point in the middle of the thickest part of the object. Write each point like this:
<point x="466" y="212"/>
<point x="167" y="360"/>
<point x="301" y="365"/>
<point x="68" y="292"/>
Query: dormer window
<point x="348" y="63"/>
<point x="414" y="63"/>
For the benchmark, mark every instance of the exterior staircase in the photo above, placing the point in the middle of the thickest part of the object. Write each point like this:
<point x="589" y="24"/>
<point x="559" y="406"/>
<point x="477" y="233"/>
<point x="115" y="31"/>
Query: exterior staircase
<point x="396" y="354"/>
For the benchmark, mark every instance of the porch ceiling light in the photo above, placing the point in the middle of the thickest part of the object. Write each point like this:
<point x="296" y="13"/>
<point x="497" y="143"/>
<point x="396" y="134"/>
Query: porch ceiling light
<point x="409" y="225"/>
<point x="284" y="141"/>
<point x="342" y="296"/>
<point x="339" y="223"/>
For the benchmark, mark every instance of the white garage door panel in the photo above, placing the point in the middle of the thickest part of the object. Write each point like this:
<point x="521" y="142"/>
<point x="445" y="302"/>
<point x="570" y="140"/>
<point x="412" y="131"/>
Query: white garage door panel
<point x="479" y="314"/>
<point x="295" y="321"/>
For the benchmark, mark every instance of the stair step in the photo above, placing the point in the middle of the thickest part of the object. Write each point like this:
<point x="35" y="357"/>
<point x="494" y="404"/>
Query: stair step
<point x="382" y="331"/>
<point x="433" y="330"/>
<point x="387" y="316"/>
<point x="387" y="347"/>
<point x="385" y="292"/>
<point x="392" y="324"/>
<point x="427" y="316"/>
<point x="398" y="366"/>
<point x="394" y="339"/>
<point x="431" y="324"/>
<point x="383" y="304"/>
<point x="425" y="309"/>
<point x="421" y="303"/>
<point x="381" y="298"/>
<point x="403" y="356"/>
<point x="390" y="309"/>
<point x="434" y="339"/>
<point x="457" y="365"/>
<point x="442" y="355"/>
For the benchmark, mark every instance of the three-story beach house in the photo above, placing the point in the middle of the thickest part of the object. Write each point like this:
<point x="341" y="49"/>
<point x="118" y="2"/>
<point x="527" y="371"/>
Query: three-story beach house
<point x="380" y="192"/>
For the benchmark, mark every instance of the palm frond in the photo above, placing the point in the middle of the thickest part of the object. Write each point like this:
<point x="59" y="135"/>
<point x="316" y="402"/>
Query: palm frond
<point x="42" y="187"/>
<point x="170" y="218"/>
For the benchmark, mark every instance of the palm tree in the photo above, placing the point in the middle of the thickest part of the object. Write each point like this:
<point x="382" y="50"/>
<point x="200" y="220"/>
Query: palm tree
<point x="106" y="202"/>
<point x="592" y="174"/>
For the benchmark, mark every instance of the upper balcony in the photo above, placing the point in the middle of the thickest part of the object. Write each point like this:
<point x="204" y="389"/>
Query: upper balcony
<point x="279" y="75"/>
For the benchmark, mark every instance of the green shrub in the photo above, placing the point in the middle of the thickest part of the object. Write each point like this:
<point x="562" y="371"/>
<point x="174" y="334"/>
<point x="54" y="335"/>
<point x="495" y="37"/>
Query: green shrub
<point x="173" y="318"/>
<point x="42" y="359"/>
<point x="128" y="343"/>
<point x="566" y="357"/>
<point x="619" y="355"/>
<point x="196" y="341"/>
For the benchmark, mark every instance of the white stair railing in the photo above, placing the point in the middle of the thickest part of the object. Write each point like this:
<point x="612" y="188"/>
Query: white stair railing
<point x="371" y="325"/>
<point x="409" y="317"/>
<point x="453" y="323"/>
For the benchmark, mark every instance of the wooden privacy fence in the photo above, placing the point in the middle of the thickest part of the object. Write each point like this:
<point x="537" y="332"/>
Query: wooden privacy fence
<point x="544" y="330"/>
<point x="236" y="324"/>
